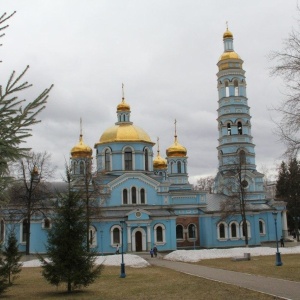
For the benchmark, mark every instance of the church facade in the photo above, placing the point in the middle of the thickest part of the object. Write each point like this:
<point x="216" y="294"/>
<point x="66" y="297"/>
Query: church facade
<point x="147" y="200"/>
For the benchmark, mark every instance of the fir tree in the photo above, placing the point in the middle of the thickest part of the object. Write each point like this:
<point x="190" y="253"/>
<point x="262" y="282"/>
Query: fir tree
<point x="3" y="277"/>
<point x="70" y="262"/>
<point x="11" y="255"/>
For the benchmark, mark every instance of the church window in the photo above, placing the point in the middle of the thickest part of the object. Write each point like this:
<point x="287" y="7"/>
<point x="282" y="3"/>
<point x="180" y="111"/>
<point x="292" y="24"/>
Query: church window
<point x="236" y="88"/>
<point x="24" y="231"/>
<point x="192" y="231"/>
<point x="81" y="167"/>
<point x="233" y="230"/>
<point x="128" y="159"/>
<point x="171" y="167"/>
<point x="262" y="227"/>
<point x="74" y="167"/>
<point x="226" y="89"/>
<point x="125" y="196"/>
<point x="146" y="154"/>
<point x="179" y="232"/>
<point x="242" y="229"/>
<point x="46" y="223"/>
<point x="92" y="236"/>
<point x="116" y="233"/>
<point x="184" y="167"/>
<point x="133" y="195"/>
<point x="240" y="128"/>
<point x="222" y="230"/>
<point x="228" y="129"/>
<point x="179" y="167"/>
<point x="242" y="157"/>
<point x="159" y="234"/>
<point x="107" y="160"/>
<point x="142" y="195"/>
<point x="2" y="230"/>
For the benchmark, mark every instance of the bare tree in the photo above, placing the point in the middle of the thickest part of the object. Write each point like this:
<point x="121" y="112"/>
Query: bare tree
<point x="205" y="184"/>
<point x="31" y="190"/>
<point x="235" y="188"/>
<point x="288" y="68"/>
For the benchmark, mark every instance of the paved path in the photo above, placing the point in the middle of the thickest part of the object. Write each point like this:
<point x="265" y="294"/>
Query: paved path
<point x="278" y="287"/>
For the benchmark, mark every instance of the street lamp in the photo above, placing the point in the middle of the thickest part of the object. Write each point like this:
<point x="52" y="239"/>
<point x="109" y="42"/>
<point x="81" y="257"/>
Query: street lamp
<point x="193" y="229"/>
<point x="278" y="257"/>
<point x="101" y="235"/>
<point x="122" y="275"/>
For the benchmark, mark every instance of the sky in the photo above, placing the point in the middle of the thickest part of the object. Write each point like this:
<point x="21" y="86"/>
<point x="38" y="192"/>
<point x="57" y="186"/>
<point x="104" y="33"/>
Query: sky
<point x="182" y="255"/>
<point x="164" y="51"/>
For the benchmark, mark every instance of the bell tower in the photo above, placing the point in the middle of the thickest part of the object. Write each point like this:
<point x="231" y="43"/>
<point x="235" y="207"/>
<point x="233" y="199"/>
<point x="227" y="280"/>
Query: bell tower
<point x="236" y="146"/>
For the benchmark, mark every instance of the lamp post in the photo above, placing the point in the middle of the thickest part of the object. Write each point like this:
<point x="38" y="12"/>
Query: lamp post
<point x="278" y="257"/>
<point x="193" y="229"/>
<point x="122" y="275"/>
<point x="101" y="236"/>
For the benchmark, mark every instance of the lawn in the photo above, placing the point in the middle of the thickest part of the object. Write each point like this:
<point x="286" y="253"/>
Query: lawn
<point x="140" y="283"/>
<point x="260" y="265"/>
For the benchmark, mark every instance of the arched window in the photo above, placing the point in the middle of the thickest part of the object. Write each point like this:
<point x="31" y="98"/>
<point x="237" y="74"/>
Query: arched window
<point x="234" y="233"/>
<point x="46" y="223"/>
<point x="226" y="89"/>
<point x="133" y="195"/>
<point x="81" y="167"/>
<point x="128" y="159"/>
<point x="2" y="230"/>
<point x="107" y="160"/>
<point x="242" y="157"/>
<point x="146" y="155"/>
<point x="242" y="229"/>
<point x="178" y="167"/>
<point x="142" y="196"/>
<point x="74" y="167"/>
<point x="179" y="232"/>
<point x="24" y="231"/>
<point x="171" y="167"/>
<point x="159" y="234"/>
<point x="92" y="236"/>
<point x="125" y="196"/>
<point x="116" y="235"/>
<point x="240" y="128"/>
<point x="236" y="88"/>
<point x="262" y="227"/>
<point x="228" y="129"/>
<point x="222" y="231"/>
<point x="192" y="231"/>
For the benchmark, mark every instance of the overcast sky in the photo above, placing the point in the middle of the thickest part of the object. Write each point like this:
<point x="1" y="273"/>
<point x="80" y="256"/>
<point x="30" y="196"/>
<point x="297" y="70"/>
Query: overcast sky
<point x="164" y="51"/>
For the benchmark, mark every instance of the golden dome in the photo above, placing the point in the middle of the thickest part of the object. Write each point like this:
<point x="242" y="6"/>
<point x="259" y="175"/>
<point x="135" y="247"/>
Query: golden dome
<point x="227" y="34"/>
<point x="229" y="55"/>
<point x="123" y="106"/>
<point x="159" y="162"/>
<point x="124" y="132"/>
<point x="81" y="149"/>
<point x="176" y="150"/>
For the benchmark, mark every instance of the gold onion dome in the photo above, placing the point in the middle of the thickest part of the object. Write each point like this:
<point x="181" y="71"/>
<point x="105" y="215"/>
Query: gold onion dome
<point x="229" y="55"/>
<point x="123" y="106"/>
<point x="124" y="132"/>
<point x="81" y="149"/>
<point x="176" y="150"/>
<point x="227" y="34"/>
<point x="159" y="162"/>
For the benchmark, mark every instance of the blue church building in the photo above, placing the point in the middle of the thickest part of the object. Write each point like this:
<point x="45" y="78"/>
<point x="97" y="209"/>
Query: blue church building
<point x="145" y="199"/>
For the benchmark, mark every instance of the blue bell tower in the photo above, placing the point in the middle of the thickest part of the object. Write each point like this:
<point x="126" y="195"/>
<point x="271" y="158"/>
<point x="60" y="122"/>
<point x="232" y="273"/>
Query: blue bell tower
<point x="234" y="124"/>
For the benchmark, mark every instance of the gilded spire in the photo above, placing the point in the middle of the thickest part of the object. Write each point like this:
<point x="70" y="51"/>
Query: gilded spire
<point x="176" y="149"/>
<point x="159" y="162"/>
<point x="123" y="106"/>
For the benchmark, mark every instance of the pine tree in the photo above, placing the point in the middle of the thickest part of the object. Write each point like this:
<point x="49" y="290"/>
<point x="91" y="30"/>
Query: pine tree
<point x="3" y="277"/>
<point x="11" y="255"/>
<point x="70" y="262"/>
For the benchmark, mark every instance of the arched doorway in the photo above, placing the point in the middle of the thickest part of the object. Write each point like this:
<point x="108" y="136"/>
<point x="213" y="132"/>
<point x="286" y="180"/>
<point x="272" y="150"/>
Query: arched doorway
<point x="138" y="242"/>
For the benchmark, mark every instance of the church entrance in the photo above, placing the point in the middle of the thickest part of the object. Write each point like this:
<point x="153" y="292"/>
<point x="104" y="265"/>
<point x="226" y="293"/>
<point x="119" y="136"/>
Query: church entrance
<point x="138" y="242"/>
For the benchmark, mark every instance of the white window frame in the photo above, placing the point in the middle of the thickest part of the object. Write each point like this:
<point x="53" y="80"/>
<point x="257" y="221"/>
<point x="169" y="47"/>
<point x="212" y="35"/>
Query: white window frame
<point x="163" y="234"/>
<point x="237" y="230"/>
<point x="43" y="224"/>
<point x="225" y="229"/>
<point x="248" y="230"/>
<point x="93" y="230"/>
<point x="112" y="236"/>
<point x="264" y="227"/>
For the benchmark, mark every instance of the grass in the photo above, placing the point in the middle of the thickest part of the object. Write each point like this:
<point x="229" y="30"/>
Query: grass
<point x="260" y="265"/>
<point x="142" y="283"/>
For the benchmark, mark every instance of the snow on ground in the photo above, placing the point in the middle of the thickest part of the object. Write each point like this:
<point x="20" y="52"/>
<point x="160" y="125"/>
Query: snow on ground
<point x="183" y="255"/>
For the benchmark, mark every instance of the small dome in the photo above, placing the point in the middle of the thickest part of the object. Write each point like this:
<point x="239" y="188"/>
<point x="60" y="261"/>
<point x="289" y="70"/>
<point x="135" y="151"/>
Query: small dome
<point x="227" y="34"/>
<point x="159" y="162"/>
<point x="176" y="150"/>
<point x="229" y="55"/>
<point x="123" y="106"/>
<point x="81" y="149"/>
<point x="124" y="132"/>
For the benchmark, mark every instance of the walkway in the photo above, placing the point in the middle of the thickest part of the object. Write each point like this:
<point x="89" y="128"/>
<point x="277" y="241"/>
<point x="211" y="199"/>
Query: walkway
<point x="272" y="286"/>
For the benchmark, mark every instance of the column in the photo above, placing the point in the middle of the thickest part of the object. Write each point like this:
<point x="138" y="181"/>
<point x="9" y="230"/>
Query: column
<point x="129" y="244"/>
<point x="148" y="237"/>
<point x="284" y="224"/>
